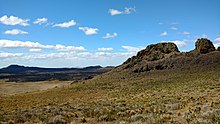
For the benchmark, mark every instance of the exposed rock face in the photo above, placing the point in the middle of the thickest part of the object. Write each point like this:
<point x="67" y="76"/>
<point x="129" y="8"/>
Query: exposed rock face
<point x="204" y="45"/>
<point x="157" y="51"/>
<point x="167" y="56"/>
<point x="154" y="52"/>
<point x="144" y="60"/>
<point x="218" y="49"/>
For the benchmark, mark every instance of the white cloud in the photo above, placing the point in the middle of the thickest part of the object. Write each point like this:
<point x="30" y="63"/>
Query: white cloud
<point x="105" y="49"/>
<point x="68" y="48"/>
<point x="117" y="12"/>
<point x="186" y="33"/>
<point x="132" y="49"/>
<point x="129" y="10"/>
<point x="217" y="39"/>
<point x="40" y="21"/>
<point x="12" y="20"/>
<point x="173" y="28"/>
<point x="114" y="12"/>
<point x="178" y="43"/>
<point x="174" y="23"/>
<point x="88" y="30"/>
<point x="85" y="54"/>
<point x="110" y="35"/>
<point x="21" y="44"/>
<point x="204" y="36"/>
<point x="8" y="55"/>
<point x="164" y="34"/>
<point x="35" y="50"/>
<point x="15" y="32"/>
<point x="217" y="45"/>
<point x="35" y="45"/>
<point x="65" y="24"/>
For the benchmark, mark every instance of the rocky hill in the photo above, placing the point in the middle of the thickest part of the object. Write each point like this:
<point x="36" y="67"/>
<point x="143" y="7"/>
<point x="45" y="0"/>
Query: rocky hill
<point x="167" y="56"/>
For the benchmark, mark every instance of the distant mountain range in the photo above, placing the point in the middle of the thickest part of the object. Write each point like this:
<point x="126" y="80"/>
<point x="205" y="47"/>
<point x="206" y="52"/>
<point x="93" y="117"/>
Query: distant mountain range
<point x="20" y="73"/>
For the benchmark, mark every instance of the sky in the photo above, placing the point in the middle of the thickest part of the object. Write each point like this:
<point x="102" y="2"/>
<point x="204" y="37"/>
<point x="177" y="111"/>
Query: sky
<point x="79" y="33"/>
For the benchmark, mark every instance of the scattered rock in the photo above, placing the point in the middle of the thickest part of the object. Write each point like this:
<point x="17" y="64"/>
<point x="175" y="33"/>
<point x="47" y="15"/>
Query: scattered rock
<point x="137" y="117"/>
<point x="204" y="45"/>
<point x="57" y="120"/>
<point x="83" y="120"/>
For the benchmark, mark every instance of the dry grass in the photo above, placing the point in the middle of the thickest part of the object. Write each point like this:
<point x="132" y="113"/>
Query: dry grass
<point x="25" y="87"/>
<point x="174" y="96"/>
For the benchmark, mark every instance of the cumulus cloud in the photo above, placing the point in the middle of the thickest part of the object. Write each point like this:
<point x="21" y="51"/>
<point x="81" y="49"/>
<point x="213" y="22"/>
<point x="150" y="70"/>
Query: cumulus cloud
<point x="129" y="10"/>
<point x="118" y="12"/>
<point x="12" y="20"/>
<point x="8" y="55"/>
<point x="15" y="32"/>
<point x="35" y="46"/>
<point x="21" y="44"/>
<point x="217" y="39"/>
<point x="204" y="36"/>
<point x="65" y="24"/>
<point x="164" y="34"/>
<point x="114" y="12"/>
<point x="35" y="50"/>
<point x="217" y="45"/>
<point x="105" y="49"/>
<point x="186" y="33"/>
<point x="40" y="21"/>
<point x="84" y="54"/>
<point x="178" y="43"/>
<point x="173" y="28"/>
<point x="174" y="23"/>
<point x="68" y="48"/>
<point x="108" y="35"/>
<point x="131" y="48"/>
<point x="88" y="30"/>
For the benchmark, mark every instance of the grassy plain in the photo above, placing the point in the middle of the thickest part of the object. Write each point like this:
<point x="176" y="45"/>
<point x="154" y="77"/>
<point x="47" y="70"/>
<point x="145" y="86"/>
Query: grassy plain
<point x="189" y="95"/>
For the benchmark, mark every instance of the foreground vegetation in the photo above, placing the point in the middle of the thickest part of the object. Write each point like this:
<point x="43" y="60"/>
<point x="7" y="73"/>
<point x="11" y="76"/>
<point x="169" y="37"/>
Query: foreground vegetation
<point x="187" y="95"/>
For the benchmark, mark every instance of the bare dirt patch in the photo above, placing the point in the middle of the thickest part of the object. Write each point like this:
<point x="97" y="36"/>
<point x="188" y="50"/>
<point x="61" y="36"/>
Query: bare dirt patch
<point x="24" y="87"/>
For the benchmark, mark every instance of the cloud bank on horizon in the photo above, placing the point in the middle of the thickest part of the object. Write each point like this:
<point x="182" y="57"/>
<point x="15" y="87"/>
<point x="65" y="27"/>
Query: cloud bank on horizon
<point x="104" y="35"/>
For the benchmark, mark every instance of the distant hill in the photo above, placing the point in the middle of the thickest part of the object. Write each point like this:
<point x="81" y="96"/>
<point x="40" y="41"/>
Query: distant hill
<point x="20" y="73"/>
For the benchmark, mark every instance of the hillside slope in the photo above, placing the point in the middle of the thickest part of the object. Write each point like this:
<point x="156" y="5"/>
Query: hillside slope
<point x="186" y="92"/>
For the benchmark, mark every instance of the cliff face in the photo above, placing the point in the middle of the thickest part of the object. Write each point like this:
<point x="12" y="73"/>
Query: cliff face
<point x="167" y="56"/>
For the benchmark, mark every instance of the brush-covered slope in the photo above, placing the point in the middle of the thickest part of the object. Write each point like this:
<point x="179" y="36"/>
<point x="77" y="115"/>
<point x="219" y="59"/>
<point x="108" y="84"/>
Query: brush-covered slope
<point x="183" y="93"/>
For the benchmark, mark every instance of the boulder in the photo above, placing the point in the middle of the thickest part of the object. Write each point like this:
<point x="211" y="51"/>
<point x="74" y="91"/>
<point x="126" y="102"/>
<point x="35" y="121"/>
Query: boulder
<point x="204" y="45"/>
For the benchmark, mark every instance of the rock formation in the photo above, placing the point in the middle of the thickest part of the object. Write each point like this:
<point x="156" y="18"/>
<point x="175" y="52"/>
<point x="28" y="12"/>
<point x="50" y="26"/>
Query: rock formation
<point x="204" y="45"/>
<point x="167" y="56"/>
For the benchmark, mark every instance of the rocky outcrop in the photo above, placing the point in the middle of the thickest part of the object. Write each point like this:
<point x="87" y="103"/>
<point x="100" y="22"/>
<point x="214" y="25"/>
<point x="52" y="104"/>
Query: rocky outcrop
<point x="204" y="45"/>
<point x="154" y="52"/>
<point x="145" y="59"/>
<point x="167" y="56"/>
<point x="218" y="49"/>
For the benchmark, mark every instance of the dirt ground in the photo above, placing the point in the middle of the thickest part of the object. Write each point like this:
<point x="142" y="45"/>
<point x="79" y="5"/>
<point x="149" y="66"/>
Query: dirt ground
<point x="24" y="87"/>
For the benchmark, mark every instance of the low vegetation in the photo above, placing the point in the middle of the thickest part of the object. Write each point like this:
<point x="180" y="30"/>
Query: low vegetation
<point x="180" y="96"/>
<point x="190" y="94"/>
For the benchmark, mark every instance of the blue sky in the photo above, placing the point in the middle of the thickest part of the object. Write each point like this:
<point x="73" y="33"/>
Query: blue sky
<point x="78" y="33"/>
